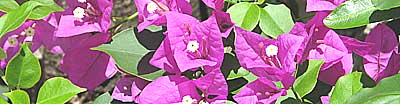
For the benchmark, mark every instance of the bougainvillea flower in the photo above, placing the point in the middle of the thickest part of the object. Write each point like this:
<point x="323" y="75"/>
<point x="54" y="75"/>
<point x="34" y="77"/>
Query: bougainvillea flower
<point x="273" y="59"/>
<point x="152" y="12"/>
<point x="215" y="4"/>
<point x="322" y="5"/>
<point x="260" y="91"/>
<point x="224" y="21"/>
<point x="84" y="17"/>
<point x="128" y="88"/>
<point x="180" y="90"/>
<point x="325" y="99"/>
<point x="87" y="68"/>
<point x="382" y="60"/>
<point x="190" y="45"/>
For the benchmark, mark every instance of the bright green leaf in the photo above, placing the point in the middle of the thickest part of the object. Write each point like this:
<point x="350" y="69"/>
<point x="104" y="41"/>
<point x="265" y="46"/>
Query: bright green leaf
<point x="47" y="7"/>
<point x="17" y="17"/>
<point x="386" y="92"/>
<point x="260" y="1"/>
<point x="23" y="70"/>
<point x="386" y="4"/>
<point x="57" y="90"/>
<point x="345" y="87"/>
<point x="2" y="101"/>
<point x="18" y="97"/>
<point x="275" y="20"/>
<point x="154" y="28"/>
<point x="290" y="94"/>
<point x="3" y="54"/>
<point x="353" y="13"/>
<point x="229" y="102"/>
<point x="245" y="15"/>
<point x="240" y="73"/>
<point x="103" y="99"/>
<point x="306" y="82"/>
<point x="8" y="5"/>
<point x="126" y="50"/>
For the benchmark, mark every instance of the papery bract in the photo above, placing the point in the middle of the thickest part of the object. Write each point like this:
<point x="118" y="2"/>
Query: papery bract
<point x="224" y="21"/>
<point x="95" y="14"/>
<point x="87" y="68"/>
<point x="128" y="89"/>
<point x="380" y="61"/>
<point x="253" y="54"/>
<point x="260" y="91"/>
<point x="216" y="4"/>
<point x="192" y="45"/>
<point x="325" y="99"/>
<point x="152" y="12"/>
<point x="322" y="5"/>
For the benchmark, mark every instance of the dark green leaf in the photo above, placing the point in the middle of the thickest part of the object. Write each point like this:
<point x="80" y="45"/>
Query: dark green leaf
<point x="353" y="13"/>
<point x="127" y="52"/>
<point x="23" y="70"/>
<point x="18" y="97"/>
<point x="245" y="15"/>
<point x="275" y="20"/>
<point x="386" y="4"/>
<point x="386" y="92"/>
<point x="57" y="90"/>
<point x="103" y="99"/>
<point x="345" y="87"/>
<point x="306" y="82"/>
<point x="8" y="5"/>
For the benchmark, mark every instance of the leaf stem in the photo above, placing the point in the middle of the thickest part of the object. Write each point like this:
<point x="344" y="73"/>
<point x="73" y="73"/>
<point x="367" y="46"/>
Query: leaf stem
<point x="299" y="100"/>
<point x="124" y="20"/>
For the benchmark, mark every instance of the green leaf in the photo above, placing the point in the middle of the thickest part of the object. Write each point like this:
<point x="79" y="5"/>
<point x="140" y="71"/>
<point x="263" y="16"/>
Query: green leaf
<point x="126" y="50"/>
<point x="154" y="28"/>
<point x="289" y="95"/>
<point x="17" y="17"/>
<point x="2" y="101"/>
<point x="103" y="99"/>
<point x="386" y="92"/>
<point x="306" y="82"/>
<point x="57" y="90"/>
<point x="260" y="1"/>
<point x="47" y="7"/>
<point x="23" y="70"/>
<point x="345" y="87"/>
<point x="353" y="13"/>
<point x="245" y="15"/>
<point x="18" y="97"/>
<point x="229" y="102"/>
<point x="3" y="54"/>
<point x="8" y="5"/>
<point x="275" y="20"/>
<point x="240" y="73"/>
<point x="386" y="4"/>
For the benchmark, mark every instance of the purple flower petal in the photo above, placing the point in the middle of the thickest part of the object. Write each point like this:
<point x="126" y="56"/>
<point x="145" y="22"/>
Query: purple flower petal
<point x="128" y="88"/>
<point x="224" y="21"/>
<point x="216" y="4"/>
<point x="252" y="93"/>
<point x="325" y="99"/>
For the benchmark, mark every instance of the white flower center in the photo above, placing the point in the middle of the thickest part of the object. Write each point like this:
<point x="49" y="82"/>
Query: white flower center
<point x="30" y="31"/>
<point x="151" y="7"/>
<point x="271" y="50"/>
<point x="79" y="12"/>
<point x="192" y="46"/>
<point x="188" y="100"/>
<point x="82" y="1"/>
<point x="203" y="102"/>
<point x="12" y="40"/>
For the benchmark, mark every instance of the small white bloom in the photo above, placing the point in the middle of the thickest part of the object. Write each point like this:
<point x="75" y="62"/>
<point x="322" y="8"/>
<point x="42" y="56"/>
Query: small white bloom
<point x="151" y="7"/>
<point x="203" y="102"/>
<point x="79" y="12"/>
<point x="30" y="31"/>
<point x="188" y="100"/>
<point x="271" y="50"/>
<point x="192" y="46"/>
<point x="82" y="1"/>
<point x="12" y="40"/>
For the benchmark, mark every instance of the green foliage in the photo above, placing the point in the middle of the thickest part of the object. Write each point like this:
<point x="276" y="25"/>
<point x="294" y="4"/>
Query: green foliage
<point x="345" y="87"/>
<point x="306" y="82"/>
<point x="3" y="54"/>
<point x="126" y="50"/>
<point x="352" y="13"/>
<point x="275" y="20"/>
<point x="57" y="90"/>
<point x="386" y="4"/>
<point x="8" y="5"/>
<point x="386" y="92"/>
<point x="23" y="71"/>
<point x="245" y="15"/>
<point x="47" y="7"/>
<point x="18" y="97"/>
<point x="103" y="99"/>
